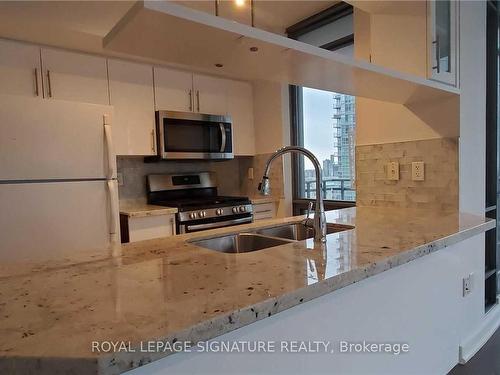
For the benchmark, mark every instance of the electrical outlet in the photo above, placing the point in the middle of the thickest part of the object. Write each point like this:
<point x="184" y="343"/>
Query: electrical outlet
<point x="468" y="284"/>
<point x="393" y="171"/>
<point x="418" y="171"/>
<point x="119" y="177"/>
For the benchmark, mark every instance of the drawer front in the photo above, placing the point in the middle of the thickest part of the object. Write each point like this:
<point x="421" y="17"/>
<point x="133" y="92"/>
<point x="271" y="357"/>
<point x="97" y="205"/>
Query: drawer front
<point x="149" y="227"/>
<point x="264" y="211"/>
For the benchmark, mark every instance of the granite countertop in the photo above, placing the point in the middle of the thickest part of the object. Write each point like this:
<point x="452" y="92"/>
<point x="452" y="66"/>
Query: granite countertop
<point x="138" y="208"/>
<point x="171" y="290"/>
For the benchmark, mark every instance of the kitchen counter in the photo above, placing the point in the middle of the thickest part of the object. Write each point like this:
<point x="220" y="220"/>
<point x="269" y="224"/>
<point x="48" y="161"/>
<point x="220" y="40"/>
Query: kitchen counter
<point x="171" y="290"/>
<point x="141" y="209"/>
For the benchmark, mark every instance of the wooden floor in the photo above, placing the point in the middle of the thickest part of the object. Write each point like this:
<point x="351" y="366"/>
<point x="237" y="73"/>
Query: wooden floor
<point x="485" y="362"/>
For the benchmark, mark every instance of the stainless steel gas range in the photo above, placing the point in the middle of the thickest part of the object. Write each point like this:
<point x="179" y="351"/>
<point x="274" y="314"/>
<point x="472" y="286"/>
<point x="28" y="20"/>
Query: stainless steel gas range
<point x="195" y="196"/>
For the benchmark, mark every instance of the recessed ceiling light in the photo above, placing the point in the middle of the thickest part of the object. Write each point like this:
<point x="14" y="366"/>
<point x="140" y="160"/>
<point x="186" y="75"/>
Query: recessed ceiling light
<point x="254" y="49"/>
<point x="219" y="65"/>
<point x="239" y="3"/>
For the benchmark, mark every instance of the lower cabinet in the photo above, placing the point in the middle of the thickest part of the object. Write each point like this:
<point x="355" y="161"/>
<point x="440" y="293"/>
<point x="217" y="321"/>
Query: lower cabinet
<point x="141" y="228"/>
<point x="264" y="211"/>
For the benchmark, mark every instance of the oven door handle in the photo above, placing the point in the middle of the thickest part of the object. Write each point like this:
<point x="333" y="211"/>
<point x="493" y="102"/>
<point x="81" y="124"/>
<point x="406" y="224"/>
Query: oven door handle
<point x="218" y="224"/>
<point x="223" y="137"/>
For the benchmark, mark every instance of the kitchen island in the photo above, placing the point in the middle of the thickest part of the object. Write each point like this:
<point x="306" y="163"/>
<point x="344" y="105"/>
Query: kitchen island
<point x="170" y="290"/>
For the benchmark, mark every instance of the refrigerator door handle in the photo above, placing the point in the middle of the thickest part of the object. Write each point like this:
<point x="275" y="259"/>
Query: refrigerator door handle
<point x="109" y="146"/>
<point x="113" y="222"/>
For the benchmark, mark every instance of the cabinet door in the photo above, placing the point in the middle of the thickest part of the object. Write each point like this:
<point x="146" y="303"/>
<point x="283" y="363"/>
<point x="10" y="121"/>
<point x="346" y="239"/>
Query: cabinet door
<point x="75" y="77"/>
<point x="443" y="54"/>
<point x="131" y="94"/>
<point x="240" y="108"/>
<point x="20" y="72"/>
<point x="173" y="90"/>
<point x="210" y="94"/>
<point x="149" y="227"/>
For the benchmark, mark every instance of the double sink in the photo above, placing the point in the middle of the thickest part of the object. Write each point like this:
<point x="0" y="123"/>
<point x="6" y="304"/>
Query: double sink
<point x="263" y="238"/>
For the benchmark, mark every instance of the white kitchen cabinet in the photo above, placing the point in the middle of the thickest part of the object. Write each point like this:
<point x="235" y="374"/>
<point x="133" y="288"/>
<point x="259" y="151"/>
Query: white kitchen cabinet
<point x="442" y="48"/>
<point x="74" y="76"/>
<point x="263" y="211"/>
<point x="173" y="90"/>
<point x="240" y="108"/>
<point x="210" y="94"/>
<point x="20" y="69"/>
<point x="131" y="94"/>
<point x="139" y="228"/>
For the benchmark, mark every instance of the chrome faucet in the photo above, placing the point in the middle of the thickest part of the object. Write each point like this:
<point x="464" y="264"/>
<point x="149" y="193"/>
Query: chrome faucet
<point x="319" y="220"/>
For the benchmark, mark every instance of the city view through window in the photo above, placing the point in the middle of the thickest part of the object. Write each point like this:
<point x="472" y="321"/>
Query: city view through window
<point x="329" y="130"/>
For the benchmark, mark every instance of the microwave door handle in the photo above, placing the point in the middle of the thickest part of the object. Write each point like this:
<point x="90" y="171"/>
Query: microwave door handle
<point x="223" y="137"/>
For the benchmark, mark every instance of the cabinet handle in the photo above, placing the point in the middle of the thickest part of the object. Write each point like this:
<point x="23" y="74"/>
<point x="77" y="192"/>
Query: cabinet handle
<point x="153" y="148"/>
<point x="49" y="85"/>
<point x="172" y="222"/>
<point x="190" y="100"/>
<point x="436" y="46"/>
<point x="37" y="91"/>
<point x="198" y="100"/>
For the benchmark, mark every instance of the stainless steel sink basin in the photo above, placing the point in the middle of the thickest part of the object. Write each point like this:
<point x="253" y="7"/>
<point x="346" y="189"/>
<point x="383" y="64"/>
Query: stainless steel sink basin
<point x="240" y="243"/>
<point x="298" y="232"/>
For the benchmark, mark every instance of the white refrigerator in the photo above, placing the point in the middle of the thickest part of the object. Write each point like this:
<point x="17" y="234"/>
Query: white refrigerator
<point x="58" y="188"/>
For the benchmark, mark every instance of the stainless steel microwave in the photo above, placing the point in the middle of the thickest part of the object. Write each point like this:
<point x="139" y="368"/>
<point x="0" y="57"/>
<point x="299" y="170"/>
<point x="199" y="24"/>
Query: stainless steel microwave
<point x="186" y="135"/>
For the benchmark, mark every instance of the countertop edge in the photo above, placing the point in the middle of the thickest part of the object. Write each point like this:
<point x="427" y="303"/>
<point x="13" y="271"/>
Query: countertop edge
<point x="153" y="211"/>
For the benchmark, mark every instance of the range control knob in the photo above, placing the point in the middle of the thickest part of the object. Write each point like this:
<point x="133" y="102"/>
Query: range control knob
<point x="235" y="210"/>
<point x="202" y="213"/>
<point x="193" y="215"/>
<point x="219" y="211"/>
<point x="243" y="208"/>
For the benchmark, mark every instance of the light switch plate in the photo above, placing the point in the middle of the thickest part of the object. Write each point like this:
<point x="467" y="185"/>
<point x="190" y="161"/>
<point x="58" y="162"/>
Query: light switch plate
<point x="418" y="171"/>
<point x="393" y="171"/>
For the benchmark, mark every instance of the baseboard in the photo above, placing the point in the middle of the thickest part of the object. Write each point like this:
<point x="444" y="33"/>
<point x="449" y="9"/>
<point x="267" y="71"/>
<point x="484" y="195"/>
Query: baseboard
<point x="475" y="342"/>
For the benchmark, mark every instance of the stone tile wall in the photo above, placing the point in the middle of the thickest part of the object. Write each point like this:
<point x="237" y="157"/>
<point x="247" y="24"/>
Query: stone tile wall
<point x="438" y="190"/>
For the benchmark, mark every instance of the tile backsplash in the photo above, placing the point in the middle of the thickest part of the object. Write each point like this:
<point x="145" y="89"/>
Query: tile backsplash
<point x="232" y="175"/>
<point x="438" y="190"/>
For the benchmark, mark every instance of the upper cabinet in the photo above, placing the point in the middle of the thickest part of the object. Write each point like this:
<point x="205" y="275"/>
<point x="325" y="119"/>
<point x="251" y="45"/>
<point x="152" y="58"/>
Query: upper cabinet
<point x="135" y="90"/>
<point x="240" y="107"/>
<point x="74" y="76"/>
<point x="182" y="91"/>
<point x="173" y="90"/>
<point x="20" y="69"/>
<point x="131" y="94"/>
<point x="210" y="94"/>
<point x="443" y="41"/>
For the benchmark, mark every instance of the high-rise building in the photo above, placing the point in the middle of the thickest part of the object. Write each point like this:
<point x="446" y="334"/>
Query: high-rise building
<point x="344" y="124"/>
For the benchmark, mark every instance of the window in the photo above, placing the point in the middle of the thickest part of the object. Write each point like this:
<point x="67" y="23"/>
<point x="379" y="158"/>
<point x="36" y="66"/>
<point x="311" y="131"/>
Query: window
<point x="322" y="121"/>
<point x="326" y="127"/>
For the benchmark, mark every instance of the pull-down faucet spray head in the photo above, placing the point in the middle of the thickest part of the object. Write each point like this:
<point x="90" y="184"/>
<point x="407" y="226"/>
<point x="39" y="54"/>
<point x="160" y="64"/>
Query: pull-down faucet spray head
<point x="264" y="186"/>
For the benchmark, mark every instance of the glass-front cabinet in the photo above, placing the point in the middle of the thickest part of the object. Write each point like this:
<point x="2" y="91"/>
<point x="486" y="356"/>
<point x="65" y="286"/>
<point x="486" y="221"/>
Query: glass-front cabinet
<point x="442" y="16"/>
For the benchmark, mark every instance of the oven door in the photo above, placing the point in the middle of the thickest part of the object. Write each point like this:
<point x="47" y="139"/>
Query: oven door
<point x="193" y="136"/>
<point x="190" y="227"/>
